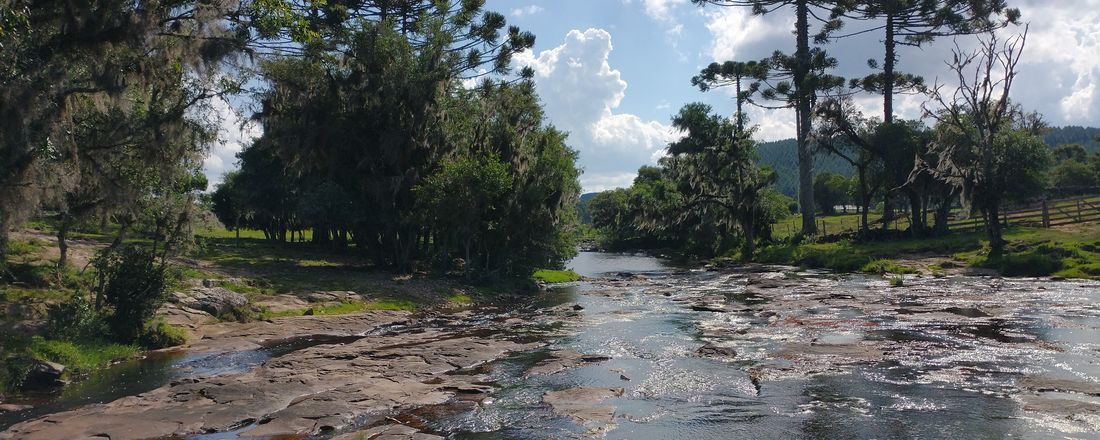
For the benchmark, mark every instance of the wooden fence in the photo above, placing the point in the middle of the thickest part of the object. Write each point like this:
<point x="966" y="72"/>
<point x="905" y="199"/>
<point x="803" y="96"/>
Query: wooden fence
<point x="1046" y="213"/>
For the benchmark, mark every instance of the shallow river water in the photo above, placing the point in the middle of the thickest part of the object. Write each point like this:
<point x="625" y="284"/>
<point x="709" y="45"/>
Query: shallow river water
<point x="814" y="355"/>
<point x="757" y="352"/>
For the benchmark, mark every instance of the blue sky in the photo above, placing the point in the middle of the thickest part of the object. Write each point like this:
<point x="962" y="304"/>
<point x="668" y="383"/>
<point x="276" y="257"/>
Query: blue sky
<point x="612" y="72"/>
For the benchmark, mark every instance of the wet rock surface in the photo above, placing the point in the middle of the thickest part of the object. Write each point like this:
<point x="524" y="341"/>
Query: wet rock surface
<point x="584" y="404"/>
<point x="330" y="387"/>
<point x="750" y="352"/>
<point x="562" y="360"/>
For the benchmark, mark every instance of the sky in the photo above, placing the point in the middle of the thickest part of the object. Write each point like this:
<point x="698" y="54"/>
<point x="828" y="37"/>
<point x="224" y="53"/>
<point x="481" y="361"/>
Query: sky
<point x="613" y="72"/>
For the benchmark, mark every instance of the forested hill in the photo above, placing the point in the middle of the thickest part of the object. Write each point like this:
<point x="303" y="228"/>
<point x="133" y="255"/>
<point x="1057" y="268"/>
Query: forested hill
<point x="782" y="156"/>
<point x="1074" y="134"/>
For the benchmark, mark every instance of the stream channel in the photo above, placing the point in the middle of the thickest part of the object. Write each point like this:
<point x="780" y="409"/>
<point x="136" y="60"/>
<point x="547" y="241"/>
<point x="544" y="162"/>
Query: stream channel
<point x="754" y="352"/>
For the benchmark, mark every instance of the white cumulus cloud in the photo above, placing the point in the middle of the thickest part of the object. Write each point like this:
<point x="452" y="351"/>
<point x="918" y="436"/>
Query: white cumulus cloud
<point x="581" y="92"/>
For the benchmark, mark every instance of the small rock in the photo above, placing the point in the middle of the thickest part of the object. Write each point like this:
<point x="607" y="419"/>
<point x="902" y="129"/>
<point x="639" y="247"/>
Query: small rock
<point x="308" y="312"/>
<point x="11" y="407"/>
<point x="712" y="350"/>
<point x="623" y="377"/>
<point x="578" y="307"/>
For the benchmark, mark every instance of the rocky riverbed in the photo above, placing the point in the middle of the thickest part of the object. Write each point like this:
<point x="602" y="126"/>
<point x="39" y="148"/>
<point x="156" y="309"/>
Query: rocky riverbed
<point x="645" y="351"/>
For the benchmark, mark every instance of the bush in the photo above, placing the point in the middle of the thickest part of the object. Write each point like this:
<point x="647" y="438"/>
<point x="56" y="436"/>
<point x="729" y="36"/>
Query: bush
<point x="160" y="334"/>
<point x="883" y="267"/>
<point x="1032" y="264"/>
<point x="74" y="320"/>
<point x="134" y="286"/>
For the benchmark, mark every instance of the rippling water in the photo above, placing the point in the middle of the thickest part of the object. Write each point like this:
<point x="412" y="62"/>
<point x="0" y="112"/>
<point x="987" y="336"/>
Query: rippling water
<point x="818" y="356"/>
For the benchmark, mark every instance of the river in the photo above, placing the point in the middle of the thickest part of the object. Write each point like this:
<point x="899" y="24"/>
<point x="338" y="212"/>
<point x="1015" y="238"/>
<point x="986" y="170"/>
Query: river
<point x="763" y="352"/>
<point x="818" y="356"/>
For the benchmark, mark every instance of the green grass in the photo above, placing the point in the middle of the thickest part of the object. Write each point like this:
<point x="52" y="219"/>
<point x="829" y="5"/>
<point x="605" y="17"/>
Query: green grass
<point x="834" y="224"/>
<point x="555" y="276"/>
<point x="1069" y="253"/>
<point x="460" y="298"/>
<point x="886" y="266"/>
<point x="345" y="308"/>
<point x="291" y="267"/>
<point x="24" y="248"/>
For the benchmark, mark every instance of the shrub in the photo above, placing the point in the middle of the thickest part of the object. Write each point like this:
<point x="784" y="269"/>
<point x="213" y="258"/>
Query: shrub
<point x="897" y="282"/>
<point x="883" y="267"/>
<point x="160" y="334"/>
<point x="134" y="286"/>
<point x="73" y="320"/>
<point x="1032" y="264"/>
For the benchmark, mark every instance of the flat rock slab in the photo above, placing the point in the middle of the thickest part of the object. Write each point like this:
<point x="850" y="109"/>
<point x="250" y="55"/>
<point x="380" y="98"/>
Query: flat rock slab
<point x="561" y="360"/>
<point x="583" y="404"/>
<point x="388" y="432"/>
<point x="317" y="389"/>
<point x="1045" y="384"/>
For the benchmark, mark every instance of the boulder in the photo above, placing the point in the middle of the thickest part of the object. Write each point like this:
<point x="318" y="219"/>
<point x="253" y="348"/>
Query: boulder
<point x="213" y="300"/>
<point x="43" y="375"/>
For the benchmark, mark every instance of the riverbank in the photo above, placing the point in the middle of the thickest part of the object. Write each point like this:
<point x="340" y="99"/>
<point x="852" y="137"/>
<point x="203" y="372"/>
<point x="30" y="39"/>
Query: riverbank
<point x="342" y="373"/>
<point x="641" y="349"/>
<point x="1067" y="252"/>
<point x="223" y="282"/>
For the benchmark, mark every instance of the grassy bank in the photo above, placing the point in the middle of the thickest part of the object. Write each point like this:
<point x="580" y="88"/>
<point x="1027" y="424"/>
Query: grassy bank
<point x="555" y="276"/>
<point x="79" y="358"/>
<point x="1068" y="252"/>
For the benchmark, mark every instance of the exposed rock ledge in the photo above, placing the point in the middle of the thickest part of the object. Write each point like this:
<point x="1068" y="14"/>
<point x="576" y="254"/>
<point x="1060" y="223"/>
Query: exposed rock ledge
<point x="325" y="388"/>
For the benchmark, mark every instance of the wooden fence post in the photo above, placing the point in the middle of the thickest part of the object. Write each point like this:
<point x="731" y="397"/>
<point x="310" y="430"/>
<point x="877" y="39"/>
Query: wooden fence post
<point x="1046" y="214"/>
<point x="1079" y="218"/>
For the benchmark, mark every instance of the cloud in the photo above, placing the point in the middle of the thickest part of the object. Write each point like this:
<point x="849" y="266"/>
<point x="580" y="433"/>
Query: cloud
<point x="1059" y="74"/>
<point x="581" y="93"/>
<point x="234" y="133"/>
<point x="526" y="11"/>
<point x="661" y="10"/>
<point x="734" y="29"/>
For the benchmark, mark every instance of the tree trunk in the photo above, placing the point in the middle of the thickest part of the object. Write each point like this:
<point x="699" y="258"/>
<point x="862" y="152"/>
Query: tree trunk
<point x="864" y="200"/>
<point x="942" y="213"/>
<point x="62" y="240"/>
<point x="916" y="213"/>
<point x="748" y="223"/>
<point x="993" y="230"/>
<point x="888" y="76"/>
<point x="887" y="212"/>
<point x="803" y="97"/>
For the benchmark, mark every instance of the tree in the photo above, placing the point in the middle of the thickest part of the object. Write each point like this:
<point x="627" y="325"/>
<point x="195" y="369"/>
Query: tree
<point x="715" y="166"/>
<point x="68" y="63"/>
<point x="465" y="217"/>
<point x="830" y="190"/>
<point x="805" y="80"/>
<point x="367" y="104"/>
<point x="914" y="23"/>
<point x="744" y="77"/>
<point x="983" y="141"/>
<point x="1071" y="177"/>
<point x="1070" y="152"/>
